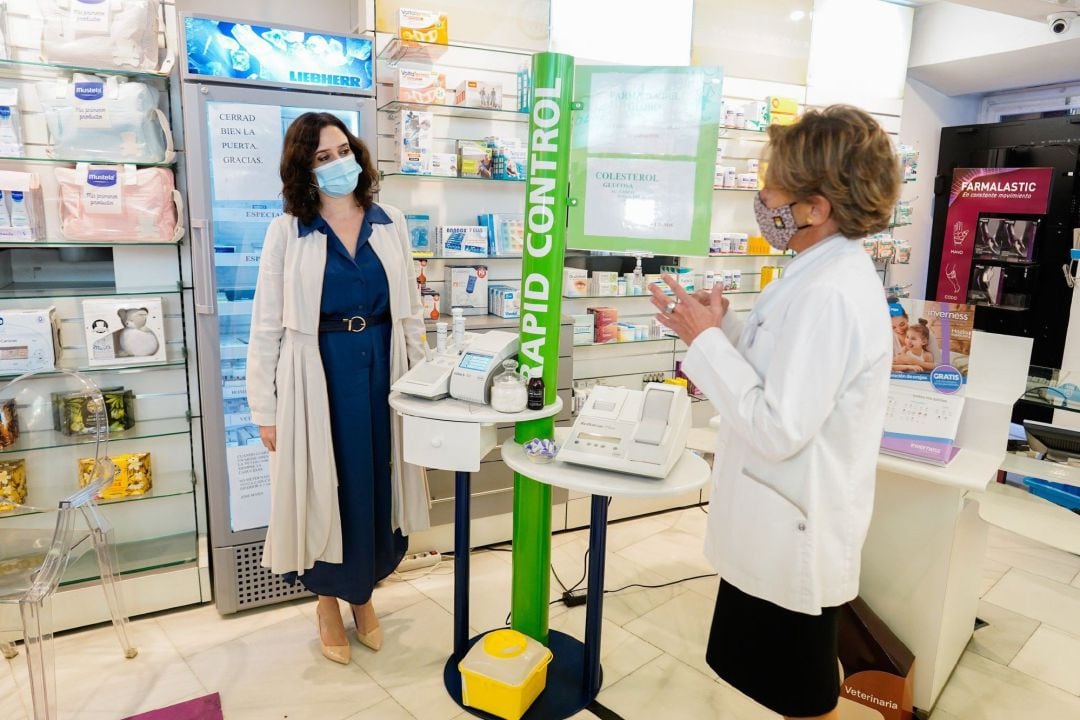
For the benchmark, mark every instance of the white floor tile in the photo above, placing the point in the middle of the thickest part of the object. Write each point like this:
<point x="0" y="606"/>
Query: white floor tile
<point x="630" y="532"/>
<point x="389" y="597"/>
<point x="674" y="554"/>
<point x="621" y="652"/>
<point x="489" y="590"/>
<point x="279" y="672"/>
<point x="679" y="627"/>
<point x="386" y="710"/>
<point x="692" y="520"/>
<point x="940" y="714"/>
<point x="11" y="702"/>
<point x="620" y="570"/>
<point x="1034" y="557"/>
<point x="991" y="573"/>
<point x="116" y="686"/>
<point x="417" y="643"/>
<point x="980" y="689"/>
<point x="1076" y="581"/>
<point x="1039" y="598"/>
<point x="196" y="629"/>
<point x="1002" y="639"/>
<point x="666" y="688"/>
<point x="1053" y="657"/>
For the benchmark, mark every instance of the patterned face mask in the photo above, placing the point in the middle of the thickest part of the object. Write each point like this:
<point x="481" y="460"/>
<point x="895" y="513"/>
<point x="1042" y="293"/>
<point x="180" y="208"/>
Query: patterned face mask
<point x="777" y="225"/>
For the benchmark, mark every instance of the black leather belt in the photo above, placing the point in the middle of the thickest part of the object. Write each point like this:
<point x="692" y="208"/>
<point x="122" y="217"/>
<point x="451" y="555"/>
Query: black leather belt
<point x="354" y="324"/>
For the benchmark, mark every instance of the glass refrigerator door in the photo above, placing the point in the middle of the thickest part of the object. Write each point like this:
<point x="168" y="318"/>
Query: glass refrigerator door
<point x="245" y="149"/>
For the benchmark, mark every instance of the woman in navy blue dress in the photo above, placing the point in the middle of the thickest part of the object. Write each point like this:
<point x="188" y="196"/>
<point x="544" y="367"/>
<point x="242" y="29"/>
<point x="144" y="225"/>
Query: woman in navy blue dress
<point x="325" y="171"/>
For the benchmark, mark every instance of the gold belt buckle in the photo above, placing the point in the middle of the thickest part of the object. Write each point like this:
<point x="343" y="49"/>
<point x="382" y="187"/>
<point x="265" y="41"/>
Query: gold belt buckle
<point x="349" y="324"/>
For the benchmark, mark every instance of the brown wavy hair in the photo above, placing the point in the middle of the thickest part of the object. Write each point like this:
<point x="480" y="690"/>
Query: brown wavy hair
<point x="299" y="189"/>
<point x="842" y="154"/>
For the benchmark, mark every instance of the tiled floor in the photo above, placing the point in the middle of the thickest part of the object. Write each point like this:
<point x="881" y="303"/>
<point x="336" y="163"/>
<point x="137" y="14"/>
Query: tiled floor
<point x="266" y="663"/>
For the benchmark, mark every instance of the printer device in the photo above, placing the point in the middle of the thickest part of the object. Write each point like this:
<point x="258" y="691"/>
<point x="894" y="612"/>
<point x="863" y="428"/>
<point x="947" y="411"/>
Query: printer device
<point x="464" y="373"/>
<point x="471" y="378"/>
<point x="639" y="432"/>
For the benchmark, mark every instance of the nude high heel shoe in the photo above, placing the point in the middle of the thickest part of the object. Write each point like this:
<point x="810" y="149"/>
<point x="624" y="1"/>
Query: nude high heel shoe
<point x="338" y="653"/>
<point x="373" y="638"/>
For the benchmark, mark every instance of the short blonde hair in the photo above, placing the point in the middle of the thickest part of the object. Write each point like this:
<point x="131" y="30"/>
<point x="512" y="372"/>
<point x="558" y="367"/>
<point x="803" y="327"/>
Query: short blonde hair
<point x="843" y="155"/>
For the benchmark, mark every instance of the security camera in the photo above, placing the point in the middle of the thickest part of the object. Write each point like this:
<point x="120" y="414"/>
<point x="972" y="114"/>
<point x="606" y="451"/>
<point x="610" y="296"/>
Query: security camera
<point x="1061" y="22"/>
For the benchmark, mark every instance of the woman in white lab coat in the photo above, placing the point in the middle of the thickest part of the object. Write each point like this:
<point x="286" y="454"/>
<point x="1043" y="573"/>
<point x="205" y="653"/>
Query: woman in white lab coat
<point x="801" y="388"/>
<point x="335" y="321"/>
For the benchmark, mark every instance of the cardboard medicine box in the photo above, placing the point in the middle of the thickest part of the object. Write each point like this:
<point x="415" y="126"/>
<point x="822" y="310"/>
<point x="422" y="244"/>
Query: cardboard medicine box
<point x="430" y="26"/>
<point x="467" y="288"/>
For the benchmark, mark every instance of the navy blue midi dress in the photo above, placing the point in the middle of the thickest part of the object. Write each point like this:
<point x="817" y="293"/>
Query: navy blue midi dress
<point x="357" y="367"/>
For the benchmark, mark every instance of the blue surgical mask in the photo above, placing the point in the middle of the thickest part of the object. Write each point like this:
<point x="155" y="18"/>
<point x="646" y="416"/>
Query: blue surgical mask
<point x="338" y="178"/>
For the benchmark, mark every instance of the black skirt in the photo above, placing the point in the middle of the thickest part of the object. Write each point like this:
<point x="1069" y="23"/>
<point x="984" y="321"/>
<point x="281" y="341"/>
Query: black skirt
<point x="785" y="660"/>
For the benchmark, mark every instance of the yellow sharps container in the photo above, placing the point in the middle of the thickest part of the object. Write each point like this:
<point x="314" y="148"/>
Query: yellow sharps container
<point x="504" y="673"/>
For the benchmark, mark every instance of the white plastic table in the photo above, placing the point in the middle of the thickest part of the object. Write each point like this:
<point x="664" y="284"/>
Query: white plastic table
<point x="455" y="435"/>
<point x="690" y="473"/>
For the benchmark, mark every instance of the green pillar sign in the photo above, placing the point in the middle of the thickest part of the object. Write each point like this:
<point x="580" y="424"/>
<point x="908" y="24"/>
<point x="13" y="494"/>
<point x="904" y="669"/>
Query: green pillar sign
<point x="541" y="311"/>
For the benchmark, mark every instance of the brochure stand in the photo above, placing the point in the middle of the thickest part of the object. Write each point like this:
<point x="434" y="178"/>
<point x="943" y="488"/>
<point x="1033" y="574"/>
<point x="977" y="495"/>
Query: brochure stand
<point x="922" y="561"/>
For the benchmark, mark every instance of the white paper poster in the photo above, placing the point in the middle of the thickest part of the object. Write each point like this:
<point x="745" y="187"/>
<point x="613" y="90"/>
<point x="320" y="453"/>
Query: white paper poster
<point x="245" y="149"/>
<point x="645" y="113"/>
<point x="648" y="199"/>
<point x="249" y="486"/>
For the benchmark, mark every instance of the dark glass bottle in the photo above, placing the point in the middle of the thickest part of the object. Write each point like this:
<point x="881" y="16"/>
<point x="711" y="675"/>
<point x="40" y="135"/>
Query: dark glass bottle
<point x="536" y="389"/>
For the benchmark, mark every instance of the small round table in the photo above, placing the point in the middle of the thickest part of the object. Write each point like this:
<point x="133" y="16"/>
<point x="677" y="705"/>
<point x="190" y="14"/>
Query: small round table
<point x="690" y="473"/>
<point x="454" y="435"/>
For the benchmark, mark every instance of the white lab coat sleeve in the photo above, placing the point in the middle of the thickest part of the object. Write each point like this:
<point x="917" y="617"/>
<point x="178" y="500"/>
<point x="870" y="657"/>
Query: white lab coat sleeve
<point x="732" y="326"/>
<point x="267" y="329"/>
<point x="814" y="354"/>
<point x="415" y="331"/>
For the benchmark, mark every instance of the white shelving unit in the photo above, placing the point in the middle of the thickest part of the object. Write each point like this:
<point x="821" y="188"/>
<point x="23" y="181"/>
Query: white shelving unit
<point x="160" y="535"/>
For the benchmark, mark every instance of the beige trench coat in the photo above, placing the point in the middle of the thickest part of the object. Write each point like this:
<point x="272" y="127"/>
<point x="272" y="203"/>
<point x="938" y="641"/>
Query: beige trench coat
<point x="287" y="387"/>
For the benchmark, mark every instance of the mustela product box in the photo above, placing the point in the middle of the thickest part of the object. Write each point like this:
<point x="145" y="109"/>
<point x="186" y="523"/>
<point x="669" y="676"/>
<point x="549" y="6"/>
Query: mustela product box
<point x="467" y="288"/>
<point x="124" y="332"/>
<point x="29" y="339"/>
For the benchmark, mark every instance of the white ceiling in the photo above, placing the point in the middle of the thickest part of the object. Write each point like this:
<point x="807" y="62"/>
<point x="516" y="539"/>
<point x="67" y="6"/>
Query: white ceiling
<point x="1030" y="9"/>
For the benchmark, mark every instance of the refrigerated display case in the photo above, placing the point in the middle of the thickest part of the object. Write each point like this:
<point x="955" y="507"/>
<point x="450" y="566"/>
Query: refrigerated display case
<point x="243" y="85"/>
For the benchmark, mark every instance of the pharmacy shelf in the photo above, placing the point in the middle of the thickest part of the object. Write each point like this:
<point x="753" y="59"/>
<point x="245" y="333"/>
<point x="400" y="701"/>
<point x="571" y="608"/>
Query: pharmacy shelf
<point x="178" y="485"/>
<point x="33" y="291"/>
<point x="76" y="161"/>
<point x="738" y="256"/>
<point x="53" y="439"/>
<point x="646" y="297"/>
<point x="727" y="189"/>
<point x="138" y="556"/>
<point x="173" y="360"/>
<point x="665" y="339"/>
<point x="519" y="183"/>
<point x="458" y="111"/>
<point x="730" y="133"/>
<point x="52" y="69"/>
<point x="479" y="57"/>
<point x="61" y="243"/>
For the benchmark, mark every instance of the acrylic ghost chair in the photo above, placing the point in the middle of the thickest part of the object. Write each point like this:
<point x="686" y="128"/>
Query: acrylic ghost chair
<point x="38" y="543"/>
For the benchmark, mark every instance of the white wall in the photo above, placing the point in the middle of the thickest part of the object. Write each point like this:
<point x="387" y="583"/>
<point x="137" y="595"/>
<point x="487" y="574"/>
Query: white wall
<point x="925" y="112"/>
<point x="339" y="16"/>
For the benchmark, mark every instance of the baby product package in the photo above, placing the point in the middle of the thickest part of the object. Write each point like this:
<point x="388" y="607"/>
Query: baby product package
<point x="423" y="25"/>
<point x="106" y="118"/>
<point x="119" y="203"/>
<point x="29" y="339"/>
<point x="120" y="34"/>
<point x="131" y="475"/>
<point x="427" y="87"/>
<point x="412" y="142"/>
<point x="420" y="239"/>
<point x="11" y="142"/>
<point x="22" y="215"/>
<point x="124" y="332"/>
<point x="467" y="288"/>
